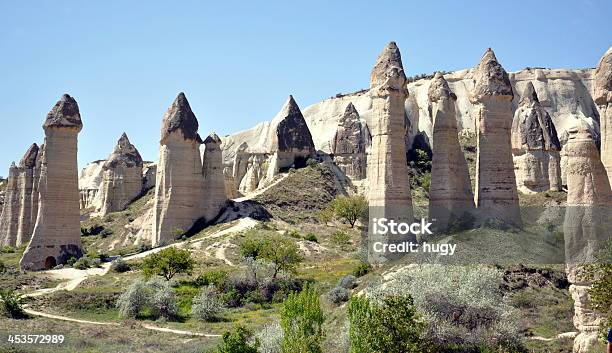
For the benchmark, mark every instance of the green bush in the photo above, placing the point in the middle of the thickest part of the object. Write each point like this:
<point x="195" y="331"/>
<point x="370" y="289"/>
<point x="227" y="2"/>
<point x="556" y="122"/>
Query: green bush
<point x="338" y="295"/>
<point x="251" y="247"/>
<point x="207" y="305"/>
<point x="151" y="299"/>
<point x="106" y="233"/>
<point x="237" y="341"/>
<point x="2" y="267"/>
<point x="302" y="322"/>
<point x="168" y="262"/>
<point x="7" y="249"/>
<point x="362" y="269"/>
<point x="340" y="238"/>
<point x="601" y="291"/>
<point x="294" y="233"/>
<point x="311" y="237"/>
<point x="392" y="327"/>
<point x="214" y="277"/>
<point x="85" y="263"/>
<point x="71" y="261"/>
<point x="120" y="266"/>
<point x="11" y="304"/>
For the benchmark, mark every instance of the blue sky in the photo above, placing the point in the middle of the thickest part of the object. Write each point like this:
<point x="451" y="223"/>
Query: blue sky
<point x="237" y="61"/>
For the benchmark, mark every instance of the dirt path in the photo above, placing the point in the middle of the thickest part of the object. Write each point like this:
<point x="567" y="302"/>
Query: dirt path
<point x="258" y="192"/>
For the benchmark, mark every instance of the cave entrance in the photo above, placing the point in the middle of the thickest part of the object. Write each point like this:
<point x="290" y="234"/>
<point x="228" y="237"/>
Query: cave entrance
<point x="50" y="263"/>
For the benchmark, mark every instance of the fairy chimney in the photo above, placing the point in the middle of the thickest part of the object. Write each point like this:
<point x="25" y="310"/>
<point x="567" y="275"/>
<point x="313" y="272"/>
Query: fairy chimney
<point x="214" y="180"/>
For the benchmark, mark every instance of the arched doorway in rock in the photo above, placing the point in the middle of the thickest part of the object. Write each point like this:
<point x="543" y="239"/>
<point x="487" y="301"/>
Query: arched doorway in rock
<point x="50" y="262"/>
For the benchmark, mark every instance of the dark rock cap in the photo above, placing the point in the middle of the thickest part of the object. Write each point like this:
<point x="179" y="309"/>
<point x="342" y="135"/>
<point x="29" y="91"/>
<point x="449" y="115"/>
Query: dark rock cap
<point x="490" y="78"/>
<point x="603" y="79"/>
<point x="388" y="67"/>
<point x="65" y="113"/>
<point x="212" y="138"/>
<point x="292" y="131"/>
<point x="180" y="117"/>
<point x="529" y="95"/>
<point x="439" y="89"/>
<point x="29" y="158"/>
<point x="351" y="136"/>
<point x="124" y="154"/>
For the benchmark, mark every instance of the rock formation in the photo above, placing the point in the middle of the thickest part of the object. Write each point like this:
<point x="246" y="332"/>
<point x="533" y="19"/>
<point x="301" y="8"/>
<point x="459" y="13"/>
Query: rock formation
<point x="586" y="227"/>
<point x="9" y="220"/>
<point x="255" y="173"/>
<point x="450" y="191"/>
<point x="90" y="182"/>
<point x="149" y="173"/>
<point x="535" y="146"/>
<point x="495" y="195"/>
<point x="28" y="194"/>
<point x="215" y="196"/>
<point x="603" y="98"/>
<point x="350" y="143"/>
<point x="122" y="178"/>
<point x="290" y="141"/>
<point x="56" y="236"/>
<point x="387" y="171"/>
<point x="179" y="185"/>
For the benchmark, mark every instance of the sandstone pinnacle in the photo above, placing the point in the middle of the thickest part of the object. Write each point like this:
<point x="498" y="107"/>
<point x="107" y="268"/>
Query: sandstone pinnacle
<point x="124" y="154"/>
<point x="29" y="158"/>
<point x="388" y="70"/>
<point x="529" y="95"/>
<point x="490" y="78"/>
<point x="439" y="89"/>
<point x="65" y="113"/>
<point x="603" y="79"/>
<point x="291" y="131"/>
<point x="212" y="138"/>
<point x="180" y="117"/>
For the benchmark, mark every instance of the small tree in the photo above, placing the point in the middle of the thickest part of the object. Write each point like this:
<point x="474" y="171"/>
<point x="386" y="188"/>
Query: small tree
<point x="168" y="262"/>
<point x="351" y="208"/>
<point x="283" y="253"/>
<point x="601" y="291"/>
<point x="302" y="322"/>
<point x="237" y="341"/>
<point x="207" y="305"/>
<point x="393" y="327"/>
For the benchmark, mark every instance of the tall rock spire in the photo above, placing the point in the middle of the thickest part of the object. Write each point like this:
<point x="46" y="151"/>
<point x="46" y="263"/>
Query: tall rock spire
<point x="122" y="178"/>
<point x="56" y="236"/>
<point x="603" y="99"/>
<point x="450" y="192"/>
<point x="9" y="219"/>
<point x="27" y="191"/>
<point x="387" y="171"/>
<point x="214" y="181"/>
<point x="535" y="146"/>
<point x="350" y="143"/>
<point x="495" y="195"/>
<point x="179" y="186"/>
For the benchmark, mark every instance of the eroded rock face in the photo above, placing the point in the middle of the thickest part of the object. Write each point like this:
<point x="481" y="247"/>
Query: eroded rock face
<point x="450" y="191"/>
<point x="495" y="195"/>
<point x="9" y="221"/>
<point x="535" y="146"/>
<point x="586" y="227"/>
<point x="56" y="236"/>
<point x="149" y="172"/>
<point x="387" y="171"/>
<point x="122" y="178"/>
<point x="90" y="181"/>
<point x="214" y="181"/>
<point x="350" y="143"/>
<point x="179" y="184"/>
<point x="255" y="173"/>
<point x="290" y="139"/>
<point x="603" y="98"/>
<point x="28" y="194"/>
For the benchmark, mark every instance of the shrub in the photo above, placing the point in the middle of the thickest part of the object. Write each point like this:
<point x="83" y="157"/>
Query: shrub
<point x="283" y="253"/>
<point x="7" y="249"/>
<point x="120" y="266"/>
<point x="168" y="262"/>
<point x="362" y="269"/>
<point x="270" y="338"/>
<point x="144" y="247"/>
<point x="350" y="209"/>
<point x="71" y="261"/>
<point x="340" y="238"/>
<point x="294" y="234"/>
<point x="392" y="327"/>
<point x="252" y="247"/>
<point x="311" y="237"/>
<point x="237" y="341"/>
<point x="207" y="305"/>
<point x="106" y="233"/>
<point x="338" y="295"/>
<point x="325" y="215"/>
<point x="214" y="277"/>
<point x="462" y="305"/>
<point x="11" y="304"/>
<point x="82" y="263"/>
<point x="348" y="282"/>
<point x="163" y="300"/>
<point x="2" y="267"/>
<point x="601" y="291"/>
<point x="302" y="322"/>
<point x="133" y="300"/>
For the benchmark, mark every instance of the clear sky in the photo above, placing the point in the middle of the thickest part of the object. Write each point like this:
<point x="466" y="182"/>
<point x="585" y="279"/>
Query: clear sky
<point x="237" y="61"/>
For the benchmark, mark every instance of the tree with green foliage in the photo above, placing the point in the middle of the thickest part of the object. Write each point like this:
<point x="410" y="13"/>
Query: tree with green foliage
<point x="393" y="327"/>
<point x="237" y="341"/>
<point x="350" y="208"/>
<point x="252" y="247"/>
<point x="302" y="322"/>
<point x="168" y="262"/>
<point x="282" y="253"/>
